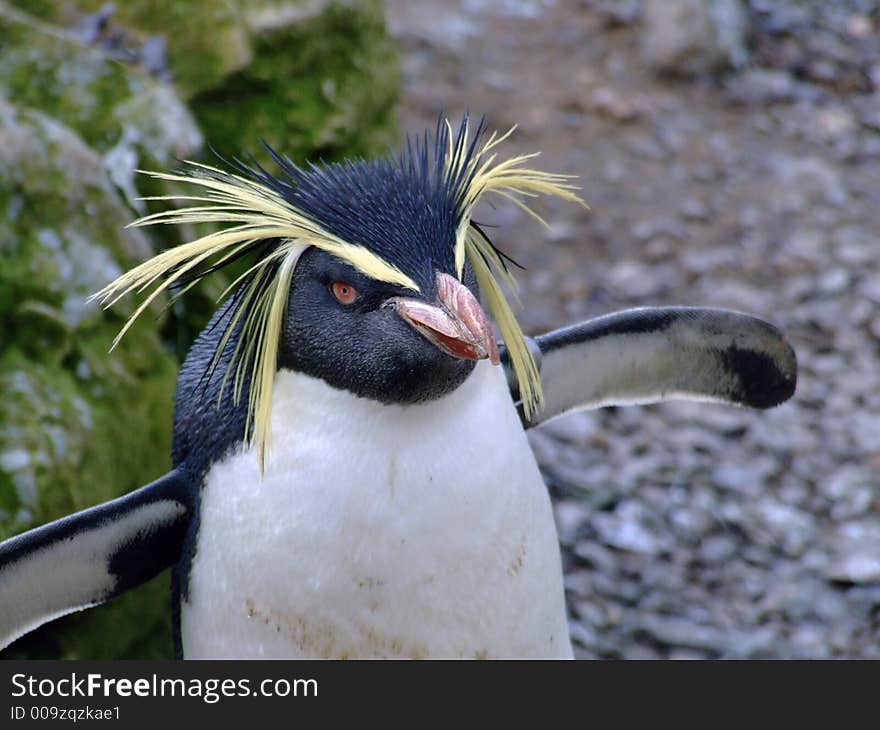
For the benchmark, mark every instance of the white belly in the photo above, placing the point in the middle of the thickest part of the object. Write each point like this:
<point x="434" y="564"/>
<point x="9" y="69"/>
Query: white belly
<point x="377" y="533"/>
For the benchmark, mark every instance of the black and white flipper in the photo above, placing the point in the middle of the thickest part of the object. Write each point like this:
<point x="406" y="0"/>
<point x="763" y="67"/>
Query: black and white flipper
<point x="91" y="556"/>
<point x="652" y="354"/>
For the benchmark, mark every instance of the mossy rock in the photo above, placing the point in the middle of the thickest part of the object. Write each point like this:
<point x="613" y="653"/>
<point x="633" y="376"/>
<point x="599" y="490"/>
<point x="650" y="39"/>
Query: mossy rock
<point x="79" y="426"/>
<point x="314" y="78"/>
<point x="321" y="81"/>
<point x="207" y="39"/>
<point x="323" y="84"/>
<point x="116" y="108"/>
<point x="133" y="120"/>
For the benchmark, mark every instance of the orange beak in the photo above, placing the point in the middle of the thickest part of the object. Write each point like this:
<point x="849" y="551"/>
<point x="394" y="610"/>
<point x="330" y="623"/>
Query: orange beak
<point x="459" y="326"/>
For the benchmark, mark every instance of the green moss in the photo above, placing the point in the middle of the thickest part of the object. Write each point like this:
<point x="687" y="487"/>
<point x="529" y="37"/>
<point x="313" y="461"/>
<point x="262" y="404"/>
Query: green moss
<point x="132" y="120"/>
<point x="45" y="9"/>
<point x="325" y="86"/>
<point x="211" y="32"/>
<point x="107" y="102"/>
<point x="90" y="438"/>
<point x="313" y="79"/>
<point x="50" y="72"/>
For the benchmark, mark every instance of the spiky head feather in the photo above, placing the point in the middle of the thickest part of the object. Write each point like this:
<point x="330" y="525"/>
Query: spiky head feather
<point x="397" y="220"/>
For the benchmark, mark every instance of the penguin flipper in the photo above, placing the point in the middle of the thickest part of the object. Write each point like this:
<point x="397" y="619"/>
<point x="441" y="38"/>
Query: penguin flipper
<point x="652" y="354"/>
<point x="89" y="557"/>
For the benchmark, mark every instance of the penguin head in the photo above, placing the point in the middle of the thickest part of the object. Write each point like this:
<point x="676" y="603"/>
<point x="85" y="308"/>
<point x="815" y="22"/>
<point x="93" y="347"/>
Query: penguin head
<point x="367" y="273"/>
<point x="406" y="340"/>
<point x="379" y="340"/>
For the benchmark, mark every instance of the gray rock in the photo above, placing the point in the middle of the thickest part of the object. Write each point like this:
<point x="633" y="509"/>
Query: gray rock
<point x="647" y="148"/>
<point x="865" y="430"/>
<point x="570" y="515"/>
<point x="614" y="104"/>
<point x="853" y="245"/>
<point x="640" y="652"/>
<point x="740" y="478"/>
<point x="850" y="491"/>
<point x="868" y="108"/>
<point x="597" y="556"/>
<point x="624" y="529"/>
<point x="717" y="549"/>
<point x="806" y="180"/>
<point x="787" y="527"/>
<point x="761" y="86"/>
<point x="693" y="209"/>
<point x="574" y="428"/>
<point x="617" y="590"/>
<point x="691" y="524"/>
<point x="809" y="641"/>
<point x="869" y="286"/>
<point x="620" y="12"/>
<point x="834" y="281"/>
<point x="680" y="633"/>
<point x="590" y="613"/>
<point x="693" y="37"/>
<point x="583" y="635"/>
<point x="856" y="552"/>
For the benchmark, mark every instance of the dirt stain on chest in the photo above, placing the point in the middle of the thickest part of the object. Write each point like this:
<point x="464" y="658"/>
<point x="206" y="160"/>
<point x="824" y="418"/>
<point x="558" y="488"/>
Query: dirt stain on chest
<point x="318" y="638"/>
<point x="392" y="476"/>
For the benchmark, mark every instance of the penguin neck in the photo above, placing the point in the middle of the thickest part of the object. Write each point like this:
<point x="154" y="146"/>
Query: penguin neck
<point x="304" y="406"/>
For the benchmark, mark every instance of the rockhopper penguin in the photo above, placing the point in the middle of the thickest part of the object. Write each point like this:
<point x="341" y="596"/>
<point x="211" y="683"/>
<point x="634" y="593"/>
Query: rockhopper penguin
<point x="352" y="476"/>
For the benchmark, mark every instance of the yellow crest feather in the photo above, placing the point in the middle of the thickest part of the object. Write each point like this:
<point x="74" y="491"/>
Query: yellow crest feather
<point x="513" y="181"/>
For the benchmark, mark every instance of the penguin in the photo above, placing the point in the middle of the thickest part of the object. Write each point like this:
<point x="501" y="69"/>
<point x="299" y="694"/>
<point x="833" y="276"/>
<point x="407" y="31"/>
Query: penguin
<point x="351" y="475"/>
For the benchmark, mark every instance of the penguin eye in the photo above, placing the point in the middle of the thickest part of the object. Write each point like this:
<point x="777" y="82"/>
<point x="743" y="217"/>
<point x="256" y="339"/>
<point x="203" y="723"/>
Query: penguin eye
<point x="344" y="292"/>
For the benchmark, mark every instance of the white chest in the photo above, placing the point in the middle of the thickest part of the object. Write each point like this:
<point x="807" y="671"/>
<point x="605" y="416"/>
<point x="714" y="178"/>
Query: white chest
<point x="379" y="531"/>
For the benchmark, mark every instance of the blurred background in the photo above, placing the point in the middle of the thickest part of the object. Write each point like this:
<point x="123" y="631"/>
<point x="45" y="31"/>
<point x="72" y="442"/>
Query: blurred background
<point x="730" y="152"/>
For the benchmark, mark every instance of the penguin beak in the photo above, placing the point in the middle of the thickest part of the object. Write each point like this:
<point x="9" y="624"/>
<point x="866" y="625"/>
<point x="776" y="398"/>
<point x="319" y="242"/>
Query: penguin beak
<point x="458" y="326"/>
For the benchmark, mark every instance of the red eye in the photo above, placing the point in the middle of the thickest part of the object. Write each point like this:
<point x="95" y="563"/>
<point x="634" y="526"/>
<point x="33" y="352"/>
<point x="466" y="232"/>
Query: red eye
<point x="345" y="293"/>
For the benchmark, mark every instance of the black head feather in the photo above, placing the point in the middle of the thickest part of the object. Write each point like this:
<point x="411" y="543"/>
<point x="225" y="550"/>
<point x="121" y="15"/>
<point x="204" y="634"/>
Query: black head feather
<point x="406" y="209"/>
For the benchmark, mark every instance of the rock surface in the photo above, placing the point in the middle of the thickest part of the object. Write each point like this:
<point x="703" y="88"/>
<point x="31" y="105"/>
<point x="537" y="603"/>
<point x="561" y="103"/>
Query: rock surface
<point x="78" y="426"/>
<point x="693" y="37"/>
